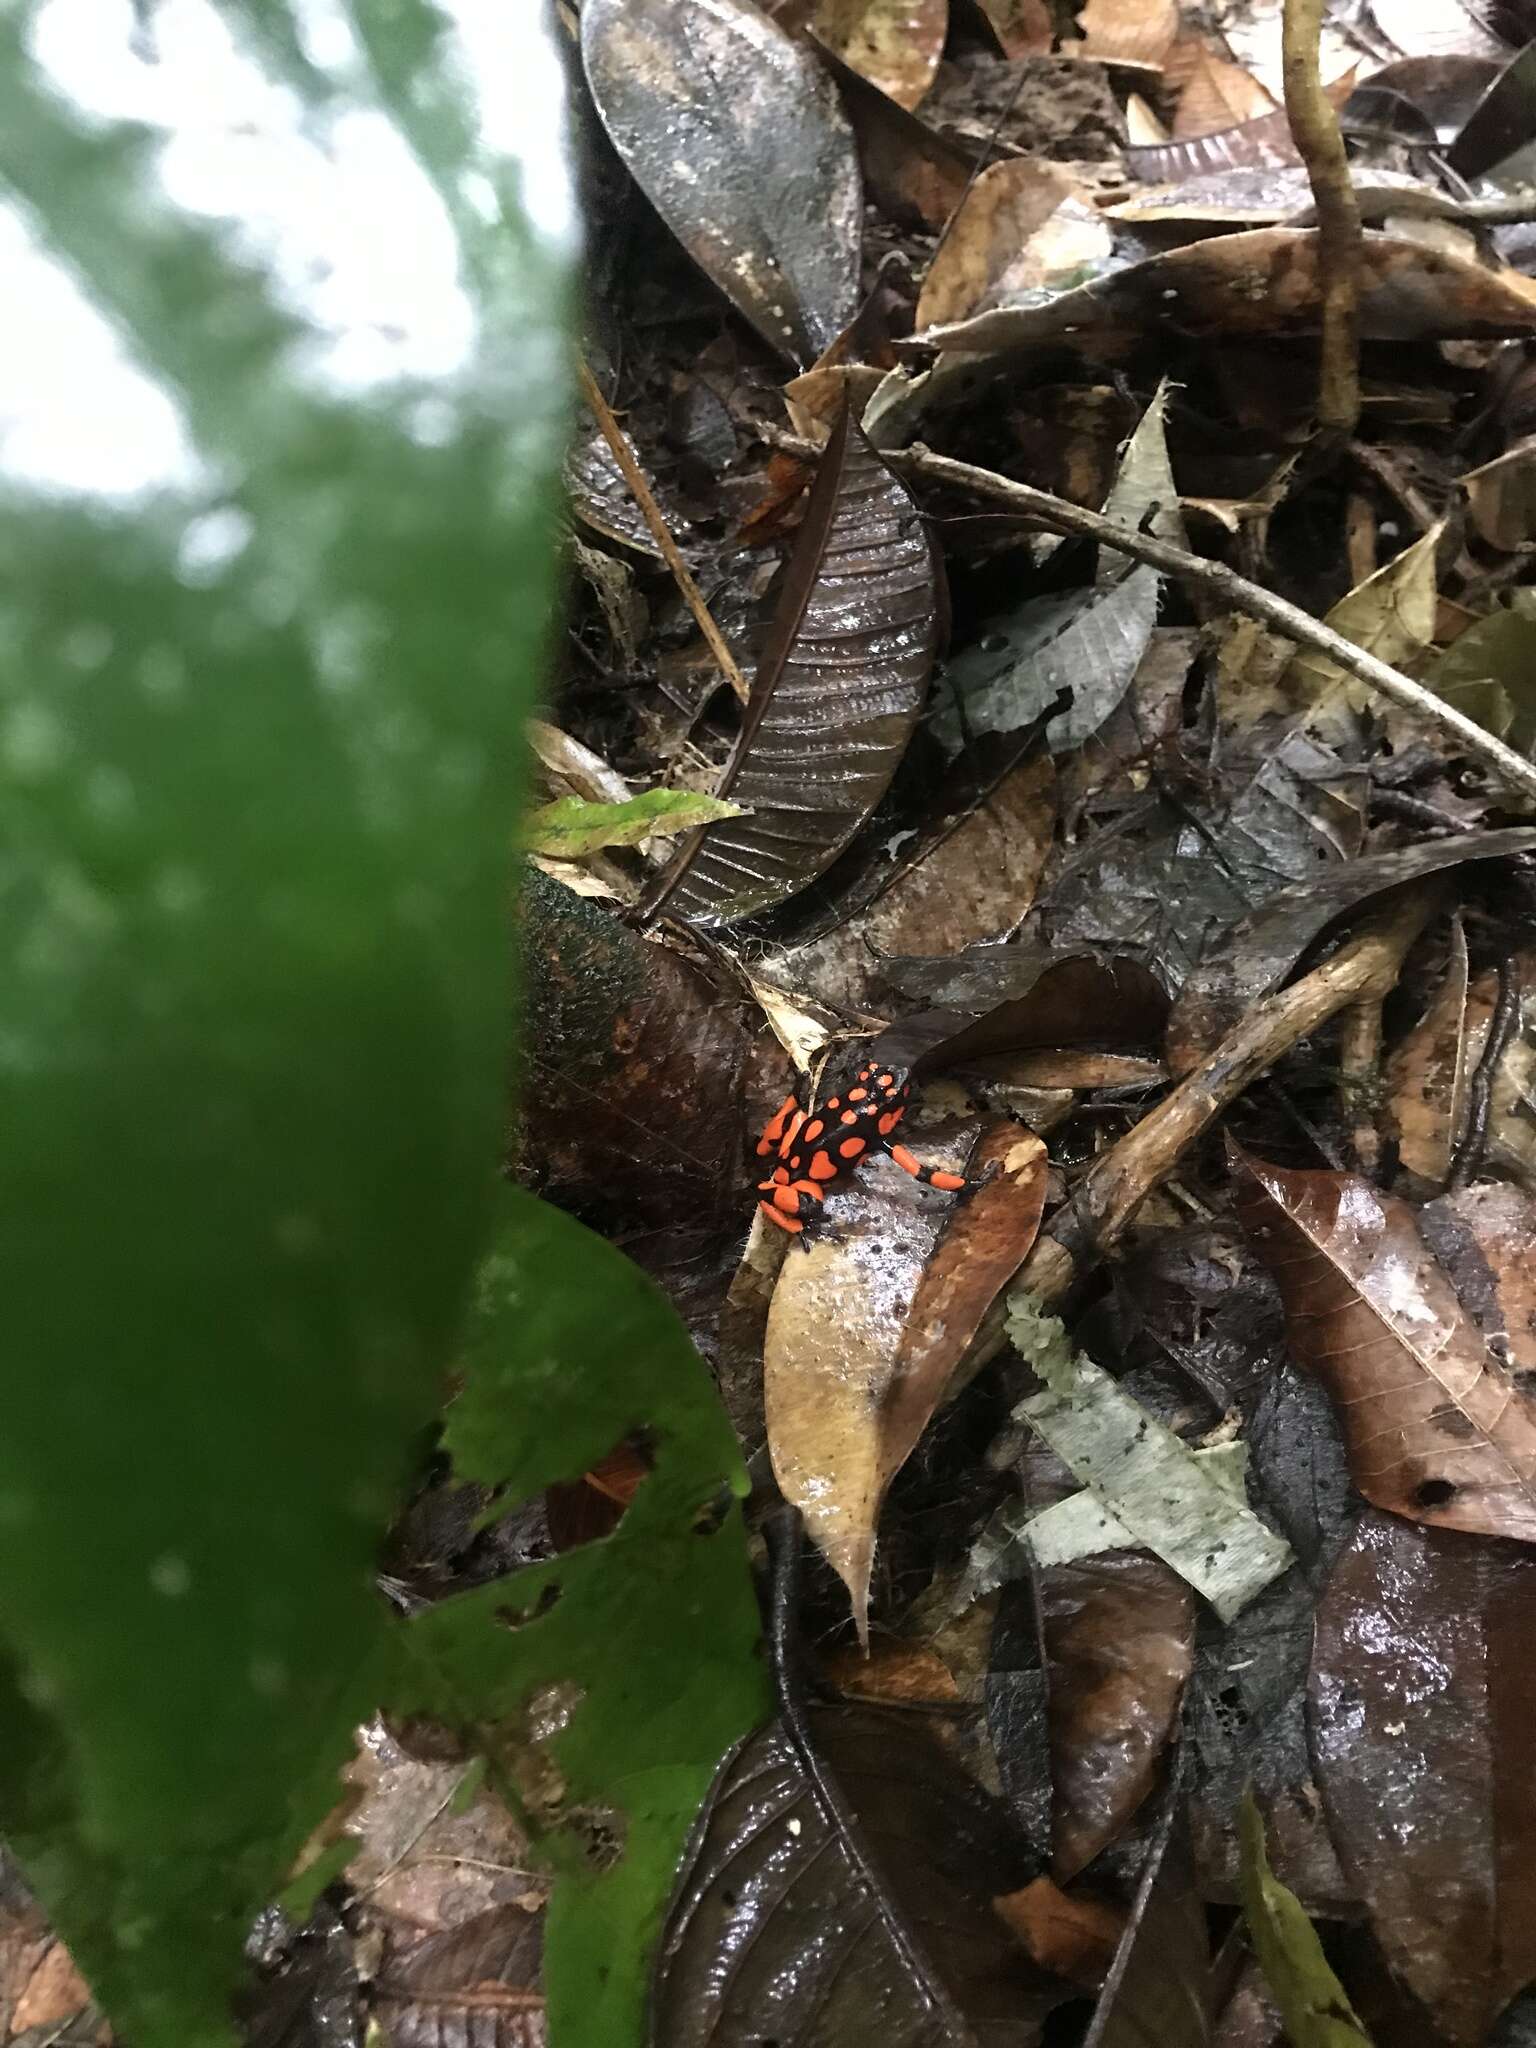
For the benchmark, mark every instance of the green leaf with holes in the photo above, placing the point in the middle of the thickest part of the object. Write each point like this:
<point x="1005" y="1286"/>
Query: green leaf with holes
<point x="642" y="1650"/>
<point x="275" y="561"/>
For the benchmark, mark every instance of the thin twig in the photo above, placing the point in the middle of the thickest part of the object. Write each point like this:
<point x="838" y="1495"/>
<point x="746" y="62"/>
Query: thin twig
<point x="1315" y="130"/>
<point x="1237" y="592"/>
<point x="1095" y="1218"/>
<point x="1360" y="1077"/>
<point x="634" y="476"/>
<point x="1501" y="1029"/>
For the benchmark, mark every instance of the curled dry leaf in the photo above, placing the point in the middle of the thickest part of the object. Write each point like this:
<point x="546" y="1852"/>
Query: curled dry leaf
<point x="1126" y="31"/>
<point x="1438" y="1420"/>
<point x="1254" y="956"/>
<point x="1015" y="232"/>
<point x="1425" y="1748"/>
<point x="836" y="695"/>
<point x="838" y="1894"/>
<point x="1428" y="1073"/>
<point x="865" y="1330"/>
<point x="734" y="133"/>
<point x="1264" y="283"/>
<point x="1118" y="1634"/>
<point x="1214" y="93"/>
<point x="895" y="44"/>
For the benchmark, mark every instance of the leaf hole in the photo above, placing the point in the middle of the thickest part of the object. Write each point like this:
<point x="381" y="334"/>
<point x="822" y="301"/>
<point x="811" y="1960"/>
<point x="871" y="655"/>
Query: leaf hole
<point x="710" y="1518"/>
<point x="547" y="1597"/>
<point x="587" y="1509"/>
<point x="1434" y="1493"/>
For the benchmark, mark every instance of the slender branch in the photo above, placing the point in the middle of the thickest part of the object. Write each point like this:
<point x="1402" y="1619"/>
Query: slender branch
<point x="1360" y="1037"/>
<point x="645" y="498"/>
<point x="1108" y="1195"/>
<point x="1235" y="591"/>
<point x="1340" y="242"/>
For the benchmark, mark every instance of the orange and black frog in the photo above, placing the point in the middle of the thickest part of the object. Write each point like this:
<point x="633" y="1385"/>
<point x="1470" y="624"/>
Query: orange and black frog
<point x="813" y="1149"/>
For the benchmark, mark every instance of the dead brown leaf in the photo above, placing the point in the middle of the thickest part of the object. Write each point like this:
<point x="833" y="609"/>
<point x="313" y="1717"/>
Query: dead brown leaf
<point x="1023" y="27"/>
<point x="895" y="44"/>
<point x="1128" y="31"/>
<point x="1073" y="1935"/>
<point x="1262" y="283"/>
<point x="1437" y="1425"/>
<point x="1428" y="1072"/>
<point x="1425" y="1748"/>
<point x="998" y="242"/>
<point x="865" y="1330"/>
<point x="1215" y="93"/>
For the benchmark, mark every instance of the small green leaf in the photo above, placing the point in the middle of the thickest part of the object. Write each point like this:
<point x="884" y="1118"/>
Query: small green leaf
<point x="1489" y="671"/>
<point x="1313" y="2003"/>
<point x="650" y="1636"/>
<point x="569" y="828"/>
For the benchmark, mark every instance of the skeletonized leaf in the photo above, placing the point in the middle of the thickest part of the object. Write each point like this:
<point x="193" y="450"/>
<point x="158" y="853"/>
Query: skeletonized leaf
<point x="865" y="1330"/>
<point x="1255" y="955"/>
<point x="1425" y="1750"/>
<point x="835" y="698"/>
<point x="568" y="828"/>
<point x="1150" y="1480"/>
<point x="1317" y="2010"/>
<point x="895" y="44"/>
<point x="1437" y="1425"/>
<point x="840" y="1896"/>
<point x="734" y="133"/>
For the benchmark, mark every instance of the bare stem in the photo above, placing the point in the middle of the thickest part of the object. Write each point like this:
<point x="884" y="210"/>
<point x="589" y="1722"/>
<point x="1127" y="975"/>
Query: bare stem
<point x="645" y="498"/>
<point x="1320" y="145"/>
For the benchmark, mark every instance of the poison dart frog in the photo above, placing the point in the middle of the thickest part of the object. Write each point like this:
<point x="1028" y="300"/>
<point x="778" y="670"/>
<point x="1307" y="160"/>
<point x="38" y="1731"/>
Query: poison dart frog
<point x="816" y="1148"/>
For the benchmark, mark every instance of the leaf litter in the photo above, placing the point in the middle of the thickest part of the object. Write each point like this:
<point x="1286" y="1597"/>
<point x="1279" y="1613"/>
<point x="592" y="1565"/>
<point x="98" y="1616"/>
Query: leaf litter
<point x="1083" y="848"/>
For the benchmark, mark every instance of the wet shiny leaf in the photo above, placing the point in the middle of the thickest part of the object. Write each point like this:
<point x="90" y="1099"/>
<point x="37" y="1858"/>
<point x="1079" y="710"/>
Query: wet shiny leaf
<point x="841" y="1897"/>
<point x="1425" y="1748"/>
<point x="734" y="133"/>
<point x="1439" y="1420"/>
<point x="866" y="1328"/>
<point x="835" y="698"/>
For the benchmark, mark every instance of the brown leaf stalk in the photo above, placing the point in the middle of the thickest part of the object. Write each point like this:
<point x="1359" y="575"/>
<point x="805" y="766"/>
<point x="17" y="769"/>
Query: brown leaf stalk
<point x="645" y="498"/>
<point x="1236" y="592"/>
<point x="1360" y="1074"/>
<point x="1320" y="145"/>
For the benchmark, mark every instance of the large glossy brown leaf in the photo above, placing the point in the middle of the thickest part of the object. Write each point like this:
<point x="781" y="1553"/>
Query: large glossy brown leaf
<point x="1118" y="1633"/>
<point x="837" y="693"/>
<point x="1422" y="1685"/>
<point x="734" y="133"/>
<point x="477" y="1986"/>
<point x="1438" y="1417"/>
<point x="1254" y="956"/>
<point x="838" y="1894"/>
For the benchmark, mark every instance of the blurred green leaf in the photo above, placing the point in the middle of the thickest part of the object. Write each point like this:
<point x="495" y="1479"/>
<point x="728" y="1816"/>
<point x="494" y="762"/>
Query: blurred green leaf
<point x="569" y="828"/>
<point x="1313" y="2003"/>
<point x="647" y="1641"/>
<point x="275" y="554"/>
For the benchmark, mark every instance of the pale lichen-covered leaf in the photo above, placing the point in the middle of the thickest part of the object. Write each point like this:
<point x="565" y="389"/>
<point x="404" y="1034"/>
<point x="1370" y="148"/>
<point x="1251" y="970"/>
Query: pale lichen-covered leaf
<point x="733" y="131"/>
<point x="1150" y="1481"/>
